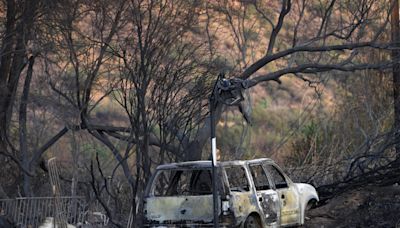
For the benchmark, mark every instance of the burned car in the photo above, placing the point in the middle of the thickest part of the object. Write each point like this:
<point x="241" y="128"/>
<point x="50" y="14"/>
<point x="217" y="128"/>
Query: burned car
<point x="251" y="193"/>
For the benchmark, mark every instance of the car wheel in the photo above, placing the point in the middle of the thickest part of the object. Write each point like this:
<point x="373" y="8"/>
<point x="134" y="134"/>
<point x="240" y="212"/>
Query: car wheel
<point x="252" y="222"/>
<point x="307" y="218"/>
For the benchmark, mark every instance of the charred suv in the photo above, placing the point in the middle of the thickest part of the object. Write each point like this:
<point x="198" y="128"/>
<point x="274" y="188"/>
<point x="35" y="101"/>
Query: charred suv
<point x="252" y="193"/>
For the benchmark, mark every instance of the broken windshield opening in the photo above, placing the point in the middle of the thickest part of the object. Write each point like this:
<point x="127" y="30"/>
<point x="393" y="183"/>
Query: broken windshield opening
<point x="175" y="182"/>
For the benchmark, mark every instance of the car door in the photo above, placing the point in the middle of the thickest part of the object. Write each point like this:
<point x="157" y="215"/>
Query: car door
<point x="268" y="198"/>
<point x="289" y="198"/>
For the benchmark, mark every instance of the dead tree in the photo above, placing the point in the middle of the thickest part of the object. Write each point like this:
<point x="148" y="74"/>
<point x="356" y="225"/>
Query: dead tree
<point x="302" y="40"/>
<point x="17" y="54"/>
<point x="151" y="58"/>
<point x="395" y="23"/>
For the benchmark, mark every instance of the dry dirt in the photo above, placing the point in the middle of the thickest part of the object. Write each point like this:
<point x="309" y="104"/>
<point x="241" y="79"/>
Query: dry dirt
<point x="367" y="207"/>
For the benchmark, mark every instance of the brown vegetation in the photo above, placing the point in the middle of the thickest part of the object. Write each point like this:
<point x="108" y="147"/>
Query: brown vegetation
<point x="115" y="88"/>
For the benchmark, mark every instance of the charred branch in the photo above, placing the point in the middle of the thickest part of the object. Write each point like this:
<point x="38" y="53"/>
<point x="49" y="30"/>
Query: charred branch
<point x="269" y="58"/>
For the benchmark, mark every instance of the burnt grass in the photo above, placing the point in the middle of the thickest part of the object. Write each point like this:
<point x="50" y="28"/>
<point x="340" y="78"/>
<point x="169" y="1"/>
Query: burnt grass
<point x="370" y="206"/>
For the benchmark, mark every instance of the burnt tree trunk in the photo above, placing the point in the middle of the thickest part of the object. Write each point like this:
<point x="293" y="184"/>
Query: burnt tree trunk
<point x="396" y="70"/>
<point x="5" y="64"/>
<point x="20" y="17"/>
<point x="18" y="32"/>
<point x="23" y="129"/>
<point x="194" y="149"/>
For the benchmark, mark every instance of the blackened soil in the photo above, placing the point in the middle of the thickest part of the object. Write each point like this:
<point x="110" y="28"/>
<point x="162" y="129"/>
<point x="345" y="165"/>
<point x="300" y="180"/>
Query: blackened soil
<point x="367" y="207"/>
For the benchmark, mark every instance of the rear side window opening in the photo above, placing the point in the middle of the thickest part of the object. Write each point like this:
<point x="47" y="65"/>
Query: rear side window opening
<point x="178" y="182"/>
<point x="237" y="179"/>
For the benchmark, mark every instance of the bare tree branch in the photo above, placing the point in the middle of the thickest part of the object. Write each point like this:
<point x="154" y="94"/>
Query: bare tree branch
<point x="315" y="68"/>
<point x="286" y="6"/>
<point x="269" y="58"/>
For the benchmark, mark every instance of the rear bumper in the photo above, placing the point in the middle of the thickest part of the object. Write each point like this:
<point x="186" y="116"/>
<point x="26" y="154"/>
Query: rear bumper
<point x="224" y="221"/>
<point x="186" y="225"/>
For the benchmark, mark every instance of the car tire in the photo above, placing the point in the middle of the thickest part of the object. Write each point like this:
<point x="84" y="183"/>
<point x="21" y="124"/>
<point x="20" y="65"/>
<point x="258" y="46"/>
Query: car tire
<point x="307" y="209"/>
<point x="252" y="222"/>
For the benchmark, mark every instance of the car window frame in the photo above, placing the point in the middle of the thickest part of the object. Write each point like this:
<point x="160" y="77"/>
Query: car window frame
<point x="271" y="184"/>
<point x="286" y="178"/>
<point x="249" y="182"/>
<point x="150" y="189"/>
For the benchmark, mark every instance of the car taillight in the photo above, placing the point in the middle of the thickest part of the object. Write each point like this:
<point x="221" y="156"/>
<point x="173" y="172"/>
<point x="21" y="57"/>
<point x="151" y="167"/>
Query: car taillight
<point x="225" y="207"/>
